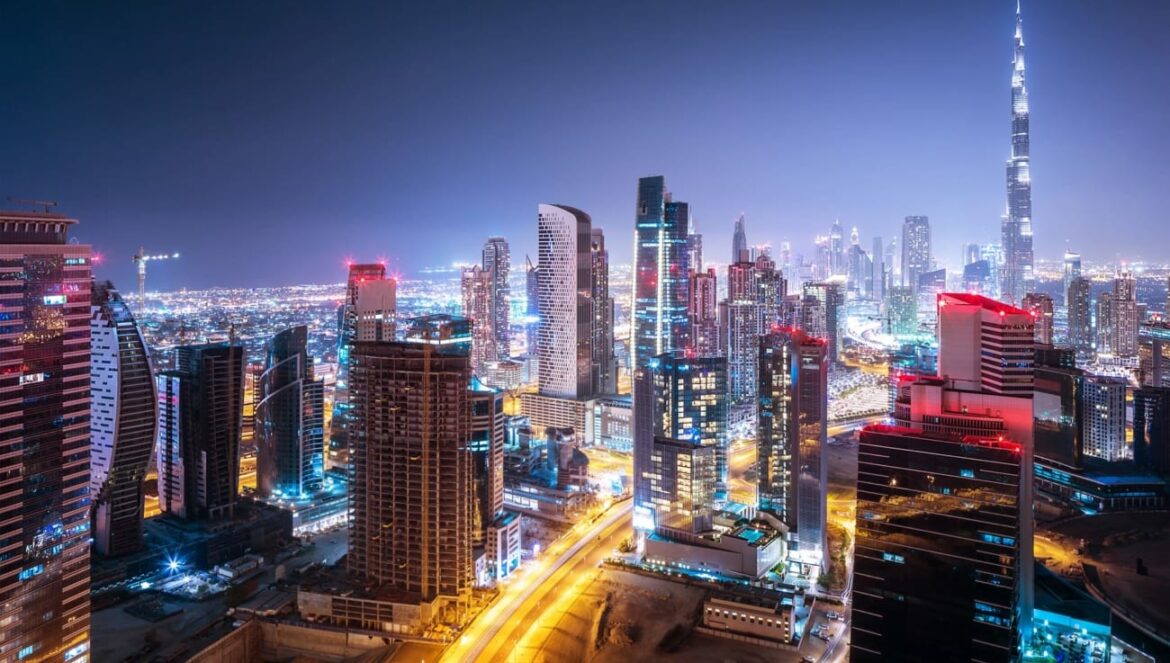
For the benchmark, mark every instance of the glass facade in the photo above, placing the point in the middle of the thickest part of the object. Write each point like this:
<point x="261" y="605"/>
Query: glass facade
<point x="290" y="419"/>
<point x="661" y="273"/>
<point x="45" y="444"/>
<point x="938" y="535"/>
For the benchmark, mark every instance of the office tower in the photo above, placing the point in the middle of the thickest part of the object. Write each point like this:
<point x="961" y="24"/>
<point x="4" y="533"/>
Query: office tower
<point x="290" y="419"/>
<point x="901" y="311"/>
<point x="770" y="289"/>
<point x="695" y="251"/>
<point x="680" y="431"/>
<point x="125" y="414"/>
<point x="1058" y="407"/>
<point x="985" y="345"/>
<point x="739" y="246"/>
<point x="1017" y="223"/>
<point x="977" y="277"/>
<point x="476" y="285"/>
<point x="487" y="452"/>
<point x="603" y="369"/>
<point x="411" y="482"/>
<point x="200" y="406"/>
<point x="497" y="262"/>
<point x="1106" y="338"/>
<point x="878" y="271"/>
<point x="45" y="381"/>
<point x="837" y="249"/>
<point x="859" y="269"/>
<point x="971" y="253"/>
<point x="984" y="388"/>
<point x="1125" y="316"/>
<point x="1154" y="354"/>
<point x="1151" y="429"/>
<point x="916" y="257"/>
<point x="1040" y="306"/>
<point x="793" y="419"/>
<point x="893" y="259"/>
<point x="566" y="311"/>
<point x="939" y="532"/>
<point x="359" y="275"/>
<point x="1080" y="314"/>
<point x="1103" y="417"/>
<point x="931" y="283"/>
<point x="742" y="321"/>
<point x="703" y="312"/>
<point x="831" y="296"/>
<point x="661" y="273"/>
<point x="532" y="294"/>
<point x="1072" y="270"/>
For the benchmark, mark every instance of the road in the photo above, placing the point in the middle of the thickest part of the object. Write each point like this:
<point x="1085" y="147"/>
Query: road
<point x="492" y="635"/>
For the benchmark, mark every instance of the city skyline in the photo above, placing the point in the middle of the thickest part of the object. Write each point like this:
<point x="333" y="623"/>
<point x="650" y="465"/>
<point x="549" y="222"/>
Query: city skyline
<point x="374" y="181"/>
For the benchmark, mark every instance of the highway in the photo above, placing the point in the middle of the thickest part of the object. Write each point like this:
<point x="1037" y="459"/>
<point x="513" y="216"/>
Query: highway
<point x="493" y="634"/>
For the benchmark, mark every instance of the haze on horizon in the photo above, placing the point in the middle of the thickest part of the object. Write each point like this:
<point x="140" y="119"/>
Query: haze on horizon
<point x="268" y="141"/>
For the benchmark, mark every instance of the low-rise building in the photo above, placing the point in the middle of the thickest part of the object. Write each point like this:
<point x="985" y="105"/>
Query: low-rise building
<point x="771" y="616"/>
<point x="748" y="551"/>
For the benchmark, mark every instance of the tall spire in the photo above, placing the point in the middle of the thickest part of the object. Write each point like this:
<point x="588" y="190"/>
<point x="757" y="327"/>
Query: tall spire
<point x="1017" y="274"/>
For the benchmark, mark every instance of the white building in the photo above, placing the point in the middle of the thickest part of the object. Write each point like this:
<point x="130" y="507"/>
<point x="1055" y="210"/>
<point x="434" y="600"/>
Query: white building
<point x="1103" y="416"/>
<point x="563" y="283"/>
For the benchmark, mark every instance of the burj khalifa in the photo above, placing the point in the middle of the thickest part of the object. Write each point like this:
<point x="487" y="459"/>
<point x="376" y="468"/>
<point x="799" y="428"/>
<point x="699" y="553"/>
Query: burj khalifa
<point x="1017" y="274"/>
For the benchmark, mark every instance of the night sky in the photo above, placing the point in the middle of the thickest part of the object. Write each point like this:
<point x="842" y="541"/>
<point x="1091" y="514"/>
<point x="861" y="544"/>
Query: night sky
<point x="268" y="141"/>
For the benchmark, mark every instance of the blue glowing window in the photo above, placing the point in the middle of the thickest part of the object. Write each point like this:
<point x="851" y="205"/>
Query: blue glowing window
<point x="967" y="474"/>
<point x="891" y="557"/>
<point x="32" y="572"/>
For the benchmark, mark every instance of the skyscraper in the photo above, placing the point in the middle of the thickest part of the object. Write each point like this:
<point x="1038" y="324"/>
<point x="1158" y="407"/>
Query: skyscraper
<point x="739" y="245"/>
<point x="476" y="285"/>
<point x="1080" y="314"/>
<point x="603" y="367"/>
<point x="411" y="483"/>
<point x="200" y="405"/>
<point x="1072" y="270"/>
<point x="793" y="419"/>
<point x="936" y="566"/>
<point x="916" y="256"/>
<point x="564" y="339"/>
<point x="1125" y="316"/>
<point x="1017" y="223"/>
<point x="661" y="273"/>
<point x="487" y="451"/>
<point x="1105" y="332"/>
<point x="497" y="262"/>
<point x="359" y="275"/>
<point x="703" y="312"/>
<point x="837" y="265"/>
<point x="290" y="419"/>
<point x="1151" y="429"/>
<point x="125" y="417"/>
<point x="878" y="271"/>
<point x="1040" y="306"/>
<point x="45" y="386"/>
<point x="981" y="399"/>
<point x="831" y="296"/>
<point x="680" y="428"/>
<point x="695" y="250"/>
<point x="375" y="310"/>
<point x="1103" y="417"/>
<point x="743" y="349"/>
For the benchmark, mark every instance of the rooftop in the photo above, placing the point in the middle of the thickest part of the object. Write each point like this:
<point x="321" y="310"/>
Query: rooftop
<point x="986" y="303"/>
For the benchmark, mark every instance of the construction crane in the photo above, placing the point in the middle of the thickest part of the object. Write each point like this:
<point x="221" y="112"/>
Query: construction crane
<point x="141" y="259"/>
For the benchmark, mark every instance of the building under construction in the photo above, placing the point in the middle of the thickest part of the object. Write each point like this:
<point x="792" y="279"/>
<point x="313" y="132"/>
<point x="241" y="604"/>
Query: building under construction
<point x="411" y="484"/>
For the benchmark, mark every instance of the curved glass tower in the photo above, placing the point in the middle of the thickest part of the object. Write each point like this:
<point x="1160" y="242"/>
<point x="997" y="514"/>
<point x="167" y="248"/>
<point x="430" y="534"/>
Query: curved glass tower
<point x="1017" y="224"/>
<point x="125" y="418"/>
